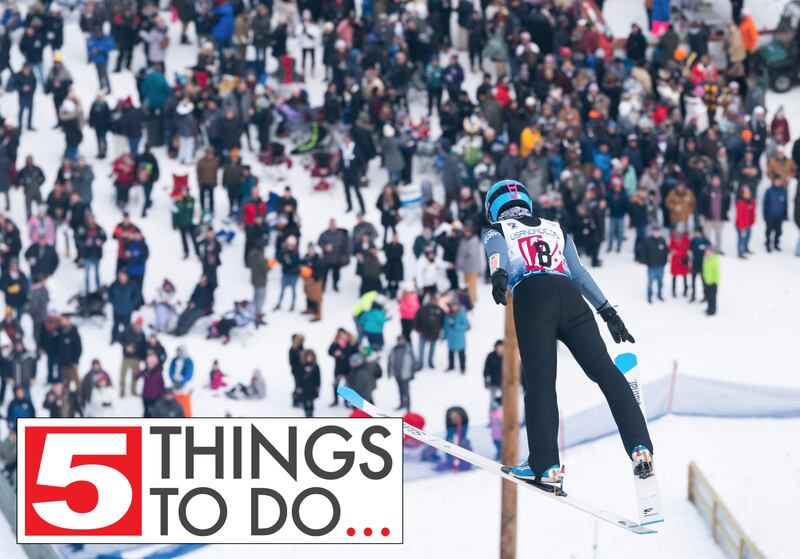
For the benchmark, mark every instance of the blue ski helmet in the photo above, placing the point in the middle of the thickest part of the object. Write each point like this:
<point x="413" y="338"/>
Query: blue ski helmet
<point x="504" y="195"/>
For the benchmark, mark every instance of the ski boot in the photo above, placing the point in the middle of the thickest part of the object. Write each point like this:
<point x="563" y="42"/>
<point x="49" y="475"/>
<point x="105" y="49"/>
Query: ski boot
<point x="642" y="462"/>
<point x="552" y="479"/>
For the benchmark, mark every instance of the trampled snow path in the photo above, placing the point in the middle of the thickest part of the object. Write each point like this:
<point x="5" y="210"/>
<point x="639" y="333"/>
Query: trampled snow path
<point x="750" y="340"/>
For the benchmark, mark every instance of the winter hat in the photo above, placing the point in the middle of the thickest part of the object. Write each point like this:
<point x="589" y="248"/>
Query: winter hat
<point x="471" y="125"/>
<point x="185" y="107"/>
<point x="356" y="360"/>
<point x="58" y="57"/>
<point x="180" y="181"/>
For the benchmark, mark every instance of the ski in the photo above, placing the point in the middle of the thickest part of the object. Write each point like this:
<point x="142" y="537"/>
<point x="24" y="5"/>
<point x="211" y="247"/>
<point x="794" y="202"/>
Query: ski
<point x="352" y="397"/>
<point x="648" y="498"/>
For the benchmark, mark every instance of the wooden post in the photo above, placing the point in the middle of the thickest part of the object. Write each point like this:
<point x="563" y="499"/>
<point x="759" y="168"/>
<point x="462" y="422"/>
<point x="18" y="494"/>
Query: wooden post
<point x="510" y="454"/>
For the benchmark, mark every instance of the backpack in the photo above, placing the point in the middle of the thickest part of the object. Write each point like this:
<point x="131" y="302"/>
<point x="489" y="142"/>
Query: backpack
<point x="143" y="172"/>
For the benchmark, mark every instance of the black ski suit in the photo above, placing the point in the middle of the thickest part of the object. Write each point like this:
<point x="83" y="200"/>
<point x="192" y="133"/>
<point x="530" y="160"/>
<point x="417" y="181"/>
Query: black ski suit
<point x="549" y="306"/>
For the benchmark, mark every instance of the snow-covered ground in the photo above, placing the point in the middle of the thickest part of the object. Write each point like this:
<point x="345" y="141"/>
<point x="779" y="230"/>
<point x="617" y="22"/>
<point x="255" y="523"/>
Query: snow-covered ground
<point x="619" y="14"/>
<point x="748" y="341"/>
<point x="458" y="515"/>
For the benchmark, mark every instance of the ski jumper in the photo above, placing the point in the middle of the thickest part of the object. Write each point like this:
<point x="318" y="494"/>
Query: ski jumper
<point x="549" y="283"/>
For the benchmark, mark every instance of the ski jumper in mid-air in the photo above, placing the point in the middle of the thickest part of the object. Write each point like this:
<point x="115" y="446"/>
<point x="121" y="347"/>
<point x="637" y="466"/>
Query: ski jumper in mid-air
<point x="539" y="262"/>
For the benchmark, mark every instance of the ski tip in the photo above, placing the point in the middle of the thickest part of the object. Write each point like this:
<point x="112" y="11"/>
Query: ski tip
<point x="625" y="362"/>
<point x="351" y="396"/>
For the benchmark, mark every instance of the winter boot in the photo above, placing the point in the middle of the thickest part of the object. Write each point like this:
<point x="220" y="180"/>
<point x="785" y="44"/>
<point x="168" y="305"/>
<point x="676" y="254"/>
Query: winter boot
<point x="642" y="462"/>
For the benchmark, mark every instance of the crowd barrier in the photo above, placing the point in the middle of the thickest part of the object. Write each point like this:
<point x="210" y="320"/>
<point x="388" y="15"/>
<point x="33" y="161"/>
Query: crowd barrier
<point x="675" y="394"/>
<point x="724" y="529"/>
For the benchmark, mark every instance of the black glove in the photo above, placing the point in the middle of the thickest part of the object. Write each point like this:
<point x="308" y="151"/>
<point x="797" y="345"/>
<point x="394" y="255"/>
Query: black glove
<point x="616" y="326"/>
<point x="499" y="286"/>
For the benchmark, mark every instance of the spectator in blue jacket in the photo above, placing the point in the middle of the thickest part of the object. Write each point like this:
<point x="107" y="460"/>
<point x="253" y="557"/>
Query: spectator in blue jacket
<point x="124" y="298"/>
<point x="181" y="369"/>
<point x="20" y="407"/>
<point x="136" y="255"/>
<point x="99" y="46"/>
<point x="154" y="89"/>
<point x="456" y="325"/>
<point x="617" y="200"/>
<point x="372" y="322"/>
<point x="453" y="77"/>
<point x="602" y="160"/>
<point x="223" y="28"/>
<point x="776" y="211"/>
<point x="24" y="83"/>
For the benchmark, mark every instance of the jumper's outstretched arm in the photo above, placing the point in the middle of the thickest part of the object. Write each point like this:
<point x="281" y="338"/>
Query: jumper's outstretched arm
<point x="496" y="249"/>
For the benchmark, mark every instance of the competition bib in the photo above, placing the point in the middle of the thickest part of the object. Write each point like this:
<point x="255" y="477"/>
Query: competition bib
<point x="537" y="249"/>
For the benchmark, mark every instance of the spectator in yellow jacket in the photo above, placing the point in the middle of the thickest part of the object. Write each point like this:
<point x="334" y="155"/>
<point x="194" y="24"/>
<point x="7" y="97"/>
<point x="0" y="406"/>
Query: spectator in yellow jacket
<point x="711" y="279"/>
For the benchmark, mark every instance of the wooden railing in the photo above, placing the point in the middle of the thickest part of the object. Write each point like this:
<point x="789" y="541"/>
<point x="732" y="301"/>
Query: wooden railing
<point x="724" y="529"/>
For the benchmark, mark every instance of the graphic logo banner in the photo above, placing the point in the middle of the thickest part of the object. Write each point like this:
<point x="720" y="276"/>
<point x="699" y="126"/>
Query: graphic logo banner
<point x="210" y="480"/>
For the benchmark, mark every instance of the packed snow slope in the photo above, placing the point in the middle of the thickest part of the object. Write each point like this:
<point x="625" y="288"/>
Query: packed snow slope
<point x="752" y="339"/>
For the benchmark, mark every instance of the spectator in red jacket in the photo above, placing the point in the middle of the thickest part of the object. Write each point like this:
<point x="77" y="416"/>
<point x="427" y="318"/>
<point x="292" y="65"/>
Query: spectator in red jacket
<point x="254" y="206"/>
<point x="123" y="232"/>
<point x="122" y="169"/>
<point x="679" y="262"/>
<point x="745" y="219"/>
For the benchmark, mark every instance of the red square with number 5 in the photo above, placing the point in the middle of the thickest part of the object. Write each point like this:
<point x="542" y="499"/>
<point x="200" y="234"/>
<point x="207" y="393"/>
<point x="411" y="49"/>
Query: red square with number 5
<point x="83" y="481"/>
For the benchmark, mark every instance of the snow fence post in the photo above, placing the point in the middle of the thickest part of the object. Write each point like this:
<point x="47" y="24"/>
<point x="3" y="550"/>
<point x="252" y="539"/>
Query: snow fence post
<point x="510" y="454"/>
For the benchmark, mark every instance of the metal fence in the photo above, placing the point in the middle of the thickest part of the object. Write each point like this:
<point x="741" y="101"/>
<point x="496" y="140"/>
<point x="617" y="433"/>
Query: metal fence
<point x="724" y="529"/>
<point x="8" y="506"/>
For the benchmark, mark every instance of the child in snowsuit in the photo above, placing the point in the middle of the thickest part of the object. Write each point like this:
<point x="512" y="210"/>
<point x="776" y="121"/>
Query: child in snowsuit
<point x="496" y="426"/>
<point x="216" y="377"/>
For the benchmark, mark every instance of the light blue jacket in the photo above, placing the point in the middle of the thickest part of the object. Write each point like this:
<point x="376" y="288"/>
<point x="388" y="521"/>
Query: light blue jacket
<point x="455" y="330"/>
